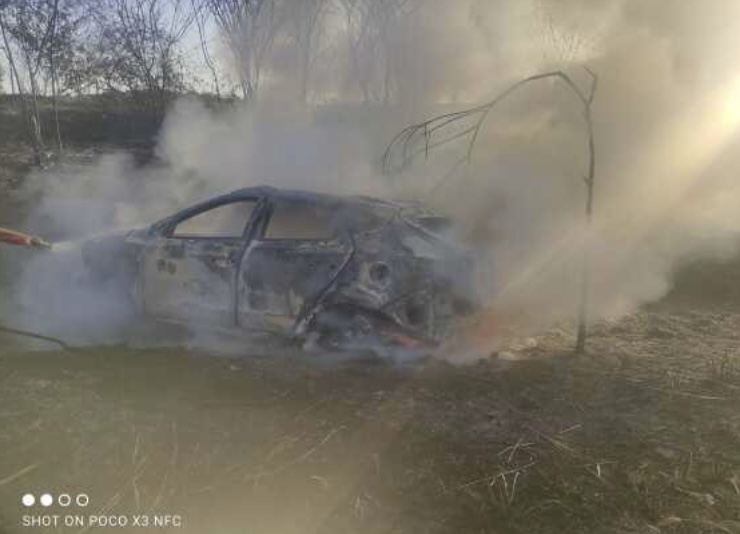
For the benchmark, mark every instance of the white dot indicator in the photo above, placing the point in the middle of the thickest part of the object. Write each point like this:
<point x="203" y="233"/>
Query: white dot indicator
<point x="46" y="499"/>
<point x="28" y="500"/>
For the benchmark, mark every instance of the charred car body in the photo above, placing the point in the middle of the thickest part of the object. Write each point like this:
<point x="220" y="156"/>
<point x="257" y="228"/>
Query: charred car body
<point x="338" y="271"/>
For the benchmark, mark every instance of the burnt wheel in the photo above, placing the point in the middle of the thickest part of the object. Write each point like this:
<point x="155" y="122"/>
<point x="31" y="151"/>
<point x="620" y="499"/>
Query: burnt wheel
<point x="347" y="327"/>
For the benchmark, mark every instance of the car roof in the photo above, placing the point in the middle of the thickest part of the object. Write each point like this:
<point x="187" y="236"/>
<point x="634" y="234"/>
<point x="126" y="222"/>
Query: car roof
<point x="370" y="205"/>
<point x="297" y="195"/>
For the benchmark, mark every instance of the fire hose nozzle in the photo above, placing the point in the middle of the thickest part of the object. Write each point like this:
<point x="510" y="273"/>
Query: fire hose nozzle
<point x="12" y="237"/>
<point x="39" y="242"/>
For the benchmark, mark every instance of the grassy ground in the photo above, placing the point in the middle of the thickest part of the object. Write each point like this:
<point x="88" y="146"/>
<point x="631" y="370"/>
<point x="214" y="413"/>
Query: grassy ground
<point x="88" y="126"/>
<point x="641" y="436"/>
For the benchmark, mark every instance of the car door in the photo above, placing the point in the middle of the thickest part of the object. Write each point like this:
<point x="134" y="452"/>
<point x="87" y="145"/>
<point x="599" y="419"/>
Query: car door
<point x="190" y="270"/>
<point x="296" y="254"/>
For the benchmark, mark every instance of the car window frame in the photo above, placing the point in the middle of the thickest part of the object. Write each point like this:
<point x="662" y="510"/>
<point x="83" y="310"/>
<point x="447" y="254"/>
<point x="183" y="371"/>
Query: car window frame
<point x="168" y="229"/>
<point x="270" y="210"/>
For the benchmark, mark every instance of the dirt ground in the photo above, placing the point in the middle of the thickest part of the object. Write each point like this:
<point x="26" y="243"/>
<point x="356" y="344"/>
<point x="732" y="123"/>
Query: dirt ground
<point x="642" y="435"/>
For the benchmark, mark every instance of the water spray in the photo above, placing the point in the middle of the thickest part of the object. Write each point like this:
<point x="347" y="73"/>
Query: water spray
<point x="12" y="237"/>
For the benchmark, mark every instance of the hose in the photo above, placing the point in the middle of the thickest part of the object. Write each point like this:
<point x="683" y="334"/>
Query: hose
<point x="20" y="239"/>
<point x="26" y="333"/>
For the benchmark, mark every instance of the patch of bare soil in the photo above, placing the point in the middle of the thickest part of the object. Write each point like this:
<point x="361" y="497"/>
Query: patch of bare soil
<point x="643" y="435"/>
<point x="15" y="159"/>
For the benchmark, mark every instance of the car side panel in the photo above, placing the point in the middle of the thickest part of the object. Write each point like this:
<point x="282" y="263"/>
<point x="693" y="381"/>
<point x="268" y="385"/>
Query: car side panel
<point x="278" y="277"/>
<point x="191" y="280"/>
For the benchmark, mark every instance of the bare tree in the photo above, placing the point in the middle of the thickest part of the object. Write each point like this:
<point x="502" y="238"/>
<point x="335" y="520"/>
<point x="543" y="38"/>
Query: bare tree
<point x="305" y="24"/>
<point x="38" y="35"/>
<point x="372" y="31"/>
<point x="200" y="14"/>
<point x="82" y="65"/>
<point x="138" y="46"/>
<point x="418" y="140"/>
<point x="25" y="28"/>
<point x="360" y="44"/>
<point x="562" y="41"/>
<point x="52" y="51"/>
<point x="250" y="28"/>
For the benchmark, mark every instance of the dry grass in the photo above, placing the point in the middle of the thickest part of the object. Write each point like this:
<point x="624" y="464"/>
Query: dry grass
<point x="640" y="439"/>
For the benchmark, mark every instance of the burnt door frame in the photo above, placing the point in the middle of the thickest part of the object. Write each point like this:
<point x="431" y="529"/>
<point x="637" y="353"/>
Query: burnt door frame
<point x="180" y="244"/>
<point x="335" y="246"/>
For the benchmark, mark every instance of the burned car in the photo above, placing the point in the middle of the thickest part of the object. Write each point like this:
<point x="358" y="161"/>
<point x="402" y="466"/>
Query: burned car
<point x="324" y="270"/>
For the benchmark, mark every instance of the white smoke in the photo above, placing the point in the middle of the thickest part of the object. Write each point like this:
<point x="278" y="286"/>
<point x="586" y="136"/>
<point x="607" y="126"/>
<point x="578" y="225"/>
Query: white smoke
<point x="666" y="118"/>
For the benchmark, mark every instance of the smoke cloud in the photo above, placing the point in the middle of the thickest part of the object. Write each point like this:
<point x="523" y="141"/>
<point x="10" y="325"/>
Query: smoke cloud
<point x="666" y="119"/>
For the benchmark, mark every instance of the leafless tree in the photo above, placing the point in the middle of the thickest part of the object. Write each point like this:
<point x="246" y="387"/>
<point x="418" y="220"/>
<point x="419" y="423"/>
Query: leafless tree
<point x="39" y="39"/>
<point x="305" y="27"/>
<point x="52" y="52"/>
<point x="26" y="28"/>
<point x="361" y="45"/>
<point x="139" y="42"/>
<point x="200" y="14"/>
<point x="372" y="31"/>
<point x="418" y="140"/>
<point x="562" y="43"/>
<point x="250" y="28"/>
